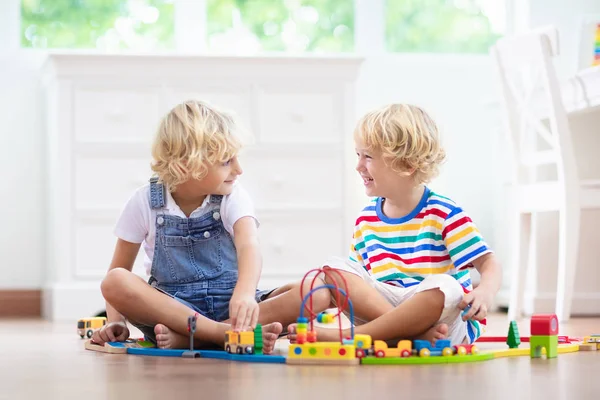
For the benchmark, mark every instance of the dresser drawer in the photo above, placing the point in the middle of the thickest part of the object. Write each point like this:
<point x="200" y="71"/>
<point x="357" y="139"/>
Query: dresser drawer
<point x="288" y="116"/>
<point x="293" y="243"/>
<point x="104" y="114"/>
<point x="236" y="100"/>
<point x="279" y="180"/>
<point x="94" y="244"/>
<point x="107" y="183"/>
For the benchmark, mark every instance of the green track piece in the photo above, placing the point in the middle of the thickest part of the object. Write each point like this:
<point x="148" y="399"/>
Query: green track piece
<point x="426" y="360"/>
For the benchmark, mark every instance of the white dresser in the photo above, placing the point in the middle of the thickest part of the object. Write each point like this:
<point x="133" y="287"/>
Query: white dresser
<point x="102" y="112"/>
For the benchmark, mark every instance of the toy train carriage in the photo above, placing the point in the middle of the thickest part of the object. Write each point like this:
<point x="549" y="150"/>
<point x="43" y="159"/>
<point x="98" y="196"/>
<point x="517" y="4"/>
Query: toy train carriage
<point x="365" y="347"/>
<point x="239" y="342"/>
<point x="592" y="340"/>
<point x="404" y="349"/>
<point x="464" y="349"/>
<point x="424" y="348"/>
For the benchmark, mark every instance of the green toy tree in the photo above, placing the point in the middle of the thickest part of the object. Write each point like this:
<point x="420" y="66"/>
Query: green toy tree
<point x="258" y="339"/>
<point x="513" y="340"/>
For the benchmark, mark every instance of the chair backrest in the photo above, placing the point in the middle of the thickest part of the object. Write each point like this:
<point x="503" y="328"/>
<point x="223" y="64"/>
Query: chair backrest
<point x="535" y="118"/>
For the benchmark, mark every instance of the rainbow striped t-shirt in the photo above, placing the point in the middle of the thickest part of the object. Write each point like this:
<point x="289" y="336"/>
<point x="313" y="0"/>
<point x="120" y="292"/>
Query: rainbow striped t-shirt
<point x="437" y="237"/>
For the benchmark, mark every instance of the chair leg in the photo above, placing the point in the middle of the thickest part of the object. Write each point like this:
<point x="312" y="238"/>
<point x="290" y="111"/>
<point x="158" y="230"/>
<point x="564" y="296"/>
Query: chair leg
<point x="520" y="257"/>
<point x="568" y="248"/>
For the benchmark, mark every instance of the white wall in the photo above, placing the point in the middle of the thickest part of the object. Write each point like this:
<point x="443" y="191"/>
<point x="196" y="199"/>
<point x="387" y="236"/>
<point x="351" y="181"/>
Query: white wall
<point x="457" y="92"/>
<point x="21" y="159"/>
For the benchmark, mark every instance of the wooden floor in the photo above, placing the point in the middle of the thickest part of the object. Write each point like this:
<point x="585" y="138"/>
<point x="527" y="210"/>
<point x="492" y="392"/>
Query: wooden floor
<point x="40" y="360"/>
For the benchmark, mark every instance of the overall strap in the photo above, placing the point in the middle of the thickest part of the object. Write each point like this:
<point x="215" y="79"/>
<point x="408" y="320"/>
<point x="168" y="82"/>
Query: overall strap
<point x="157" y="193"/>
<point x="215" y="198"/>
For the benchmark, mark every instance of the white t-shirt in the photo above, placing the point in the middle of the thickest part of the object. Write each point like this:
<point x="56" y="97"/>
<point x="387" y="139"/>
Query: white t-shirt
<point x="137" y="221"/>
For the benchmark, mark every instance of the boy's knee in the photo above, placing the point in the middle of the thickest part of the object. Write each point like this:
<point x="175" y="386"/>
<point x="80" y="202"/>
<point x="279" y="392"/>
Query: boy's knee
<point x="114" y="285"/>
<point x="321" y="298"/>
<point x="447" y="285"/>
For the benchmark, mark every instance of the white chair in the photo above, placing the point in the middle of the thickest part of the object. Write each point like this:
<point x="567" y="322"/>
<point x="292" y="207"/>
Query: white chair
<point x="540" y="138"/>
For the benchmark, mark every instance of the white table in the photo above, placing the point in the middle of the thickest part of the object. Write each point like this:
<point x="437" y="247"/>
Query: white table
<point x="582" y="91"/>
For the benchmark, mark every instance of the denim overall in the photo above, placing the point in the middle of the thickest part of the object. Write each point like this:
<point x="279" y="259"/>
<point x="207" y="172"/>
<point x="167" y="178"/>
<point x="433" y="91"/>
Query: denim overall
<point x="195" y="259"/>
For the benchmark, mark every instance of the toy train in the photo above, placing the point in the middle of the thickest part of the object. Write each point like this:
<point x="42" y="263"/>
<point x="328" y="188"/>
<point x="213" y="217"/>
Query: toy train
<point x="363" y="346"/>
<point x="244" y="342"/>
<point x="422" y="348"/>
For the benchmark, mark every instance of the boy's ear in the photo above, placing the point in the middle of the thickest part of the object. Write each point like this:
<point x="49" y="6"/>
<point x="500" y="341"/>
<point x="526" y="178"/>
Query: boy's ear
<point x="408" y="172"/>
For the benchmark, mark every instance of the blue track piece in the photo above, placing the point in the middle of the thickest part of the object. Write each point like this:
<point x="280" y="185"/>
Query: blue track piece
<point x="255" y="358"/>
<point x="158" y="352"/>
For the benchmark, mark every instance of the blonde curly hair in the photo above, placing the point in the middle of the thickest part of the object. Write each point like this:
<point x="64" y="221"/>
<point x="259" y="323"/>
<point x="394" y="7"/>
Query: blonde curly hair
<point x="407" y="137"/>
<point x="190" y="138"/>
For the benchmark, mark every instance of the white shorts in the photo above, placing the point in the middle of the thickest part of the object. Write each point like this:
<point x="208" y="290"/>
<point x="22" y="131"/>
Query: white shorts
<point x="453" y="293"/>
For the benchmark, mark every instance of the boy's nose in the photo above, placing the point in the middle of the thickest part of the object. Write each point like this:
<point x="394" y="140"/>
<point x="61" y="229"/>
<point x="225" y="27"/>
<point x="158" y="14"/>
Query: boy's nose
<point x="238" y="167"/>
<point x="360" y="166"/>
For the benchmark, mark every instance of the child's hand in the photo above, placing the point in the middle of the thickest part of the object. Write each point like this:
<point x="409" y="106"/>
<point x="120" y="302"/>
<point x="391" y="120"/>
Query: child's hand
<point x="480" y="301"/>
<point x="243" y="310"/>
<point x="112" y="332"/>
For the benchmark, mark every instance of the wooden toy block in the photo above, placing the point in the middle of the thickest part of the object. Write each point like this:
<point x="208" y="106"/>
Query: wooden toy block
<point x="588" y="347"/>
<point x="544" y="325"/>
<point x="550" y="343"/>
<point x="111" y="348"/>
<point x="117" y="347"/>
<point x="426" y="360"/>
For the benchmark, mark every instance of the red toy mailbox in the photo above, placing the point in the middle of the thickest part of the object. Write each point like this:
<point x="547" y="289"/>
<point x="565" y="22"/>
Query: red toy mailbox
<point x="544" y="325"/>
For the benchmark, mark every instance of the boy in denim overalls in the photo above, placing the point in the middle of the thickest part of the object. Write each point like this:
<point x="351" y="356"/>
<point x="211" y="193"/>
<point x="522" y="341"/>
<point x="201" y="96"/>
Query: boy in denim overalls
<point x="199" y="233"/>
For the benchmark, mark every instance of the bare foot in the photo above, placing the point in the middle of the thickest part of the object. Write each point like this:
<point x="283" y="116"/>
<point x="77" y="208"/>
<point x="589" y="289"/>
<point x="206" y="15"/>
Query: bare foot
<point x="168" y="339"/>
<point x="434" y="333"/>
<point x="323" y="334"/>
<point x="270" y="334"/>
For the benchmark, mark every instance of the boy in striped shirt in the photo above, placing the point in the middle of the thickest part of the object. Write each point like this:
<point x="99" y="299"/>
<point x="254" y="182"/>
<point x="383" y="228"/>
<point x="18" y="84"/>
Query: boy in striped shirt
<point x="408" y="270"/>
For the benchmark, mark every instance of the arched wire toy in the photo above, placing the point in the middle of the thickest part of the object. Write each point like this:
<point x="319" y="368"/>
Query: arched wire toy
<point x="348" y="301"/>
<point x="342" y="301"/>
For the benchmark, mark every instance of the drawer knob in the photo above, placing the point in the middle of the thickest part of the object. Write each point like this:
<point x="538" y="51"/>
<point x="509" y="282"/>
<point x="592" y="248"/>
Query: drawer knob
<point x="297" y="117"/>
<point x="278" y="246"/>
<point x="116" y="115"/>
<point x="277" y="180"/>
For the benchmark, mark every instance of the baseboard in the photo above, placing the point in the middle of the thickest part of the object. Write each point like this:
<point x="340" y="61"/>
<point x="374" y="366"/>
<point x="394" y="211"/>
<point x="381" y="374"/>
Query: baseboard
<point x="71" y="301"/>
<point x="20" y="303"/>
<point x="584" y="304"/>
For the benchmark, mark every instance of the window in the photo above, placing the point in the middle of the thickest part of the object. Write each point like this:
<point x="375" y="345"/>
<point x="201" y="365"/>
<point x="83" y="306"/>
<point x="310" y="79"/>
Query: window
<point x="443" y="26"/>
<point x="258" y="26"/>
<point x="104" y="24"/>
<point x="242" y="26"/>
